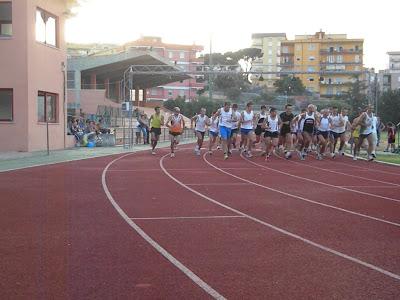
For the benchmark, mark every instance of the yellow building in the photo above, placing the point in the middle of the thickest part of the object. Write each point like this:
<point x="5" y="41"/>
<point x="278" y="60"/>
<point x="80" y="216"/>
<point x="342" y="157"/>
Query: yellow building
<point x="334" y="58"/>
<point x="270" y="45"/>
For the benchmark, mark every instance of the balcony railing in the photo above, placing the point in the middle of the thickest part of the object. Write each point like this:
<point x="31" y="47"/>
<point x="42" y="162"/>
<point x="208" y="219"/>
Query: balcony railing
<point x="344" y="51"/>
<point x="335" y="83"/>
<point x="285" y="54"/>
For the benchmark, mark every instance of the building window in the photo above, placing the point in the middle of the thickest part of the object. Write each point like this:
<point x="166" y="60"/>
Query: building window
<point x="269" y="52"/>
<point x="311" y="79"/>
<point x="46" y="28"/>
<point x="298" y="47"/>
<point x="270" y="44"/>
<point x="340" y="49"/>
<point x="339" y="58"/>
<point x="310" y="69"/>
<point x="270" y="60"/>
<point x="398" y="79"/>
<point x="331" y="49"/>
<point x="182" y="55"/>
<point x="311" y="47"/>
<point x="5" y="19"/>
<point x="47" y="107"/>
<point x="6" y="104"/>
<point x="357" y="68"/>
<point x="170" y="55"/>
<point x="357" y="58"/>
<point x="70" y="79"/>
<point x="285" y="49"/>
<point x="329" y="91"/>
<point x="357" y="48"/>
<point x="154" y="92"/>
<point x="331" y="58"/>
<point x="311" y="58"/>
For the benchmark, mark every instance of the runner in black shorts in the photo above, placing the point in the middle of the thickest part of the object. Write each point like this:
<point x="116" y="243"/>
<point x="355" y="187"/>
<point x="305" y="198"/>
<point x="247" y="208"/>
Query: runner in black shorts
<point x="285" y="134"/>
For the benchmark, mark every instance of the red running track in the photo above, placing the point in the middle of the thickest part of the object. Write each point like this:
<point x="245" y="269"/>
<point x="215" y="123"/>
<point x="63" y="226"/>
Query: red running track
<point x="235" y="229"/>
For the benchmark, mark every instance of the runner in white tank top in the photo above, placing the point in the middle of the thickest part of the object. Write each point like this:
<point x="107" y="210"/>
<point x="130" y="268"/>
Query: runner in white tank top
<point x="324" y="127"/>
<point x="365" y="121"/>
<point x="247" y="129"/>
<point x="235" y="126"/>
<point x="272" y="124"/>
<point x="201" y="120"/>
<point x="213" y="130"/>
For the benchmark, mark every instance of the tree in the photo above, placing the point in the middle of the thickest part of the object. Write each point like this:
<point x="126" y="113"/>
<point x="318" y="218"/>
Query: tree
<point x="290" y="86"/>
<point x="357" y="95"/>
<point x="389" y="108"/>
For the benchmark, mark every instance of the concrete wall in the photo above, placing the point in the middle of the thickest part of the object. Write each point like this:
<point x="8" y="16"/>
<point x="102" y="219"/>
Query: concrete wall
<point x="14" y="74"/>
<point x="28" y="67"/>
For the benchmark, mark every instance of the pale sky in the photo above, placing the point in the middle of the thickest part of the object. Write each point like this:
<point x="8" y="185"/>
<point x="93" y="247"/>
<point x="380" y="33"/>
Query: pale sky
<point x="231" y="23"/>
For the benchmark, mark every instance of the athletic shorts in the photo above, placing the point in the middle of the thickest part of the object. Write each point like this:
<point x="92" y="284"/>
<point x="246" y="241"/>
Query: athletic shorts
<point x="225" y="132"/>
<point x="201" y="132"/>
<point x="234" y="131"/>
<point x="325" y="134"/>
<point x="272" y="135"/>
<point x="156" y="131"/>
<point x="174" y="133"/>
<point x="259" y="130"/>
<point x="391" y="140"/>
<point x="284" y="131"/>
<point x="213" y="133"/>
<point x="310" y="131"/>
<point x="336" y="135"/>
<point x="245" y="131"/>
<point x="364" y="136"/>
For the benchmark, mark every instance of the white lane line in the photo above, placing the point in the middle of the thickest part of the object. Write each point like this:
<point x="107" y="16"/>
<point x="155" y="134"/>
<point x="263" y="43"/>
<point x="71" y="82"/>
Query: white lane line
<point x="302" y="198"/>
<point x="216" y="184"/>
<point x="367" y="169"/>
<point x="341" y="173"/>
<point x="323" y="183"/>
<point x="369" y="186"/>
<point x="283" y="231"/>
<point x="189" y="218"/>
<point x="378" y="162"/>
<point x="196" y="279"/>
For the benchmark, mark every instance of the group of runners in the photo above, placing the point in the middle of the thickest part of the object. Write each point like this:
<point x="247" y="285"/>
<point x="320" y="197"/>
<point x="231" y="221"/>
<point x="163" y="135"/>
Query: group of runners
<point x="322" y="132"/>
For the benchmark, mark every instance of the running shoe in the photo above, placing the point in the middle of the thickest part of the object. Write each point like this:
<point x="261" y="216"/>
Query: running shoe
<point x="218" y="147"/>
<point x="198" y="152"/>
<point x="153" y="152"/>
<point x="373" y="155"/>
<point x="226" y="156"/>
<point x="319" y="156"/>
<point x="268" y="157"/>
<point x="172" y="154"/>
<point x="354" y="157"/>
<point x="341" y="152"/>
<point x="263" y="153"/>
<point x="249" y="155"/>
<point x="210" y="152"/>
<point x="288" y="155"/>
<point x="333" y="155"/>
<point x="303" y="156"/>
<point x="370" y="158"/>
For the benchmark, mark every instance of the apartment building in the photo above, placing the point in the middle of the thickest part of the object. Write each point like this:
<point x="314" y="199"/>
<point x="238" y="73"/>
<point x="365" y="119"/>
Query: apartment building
<point x="389" y="79"/>
<point x="332" y="61"/>
<point x="32" y="73"/>
<point x="270" y="45"/>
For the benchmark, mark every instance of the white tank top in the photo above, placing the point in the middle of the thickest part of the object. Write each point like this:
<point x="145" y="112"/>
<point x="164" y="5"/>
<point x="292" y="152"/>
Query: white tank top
<point x="273" y="124"/>
<point x="201" y="123"/>
<point x="342" y="128"/>
<point x="235" y="125"/>
<point x="336" y="120"/>
<point x="367" y="129"/>
<point x="248" y="120"/>
<point x="214" y="124"/>
<point x="225" y="118"/>
<point x="300" y="125"/>
<point x="324" y="124"/>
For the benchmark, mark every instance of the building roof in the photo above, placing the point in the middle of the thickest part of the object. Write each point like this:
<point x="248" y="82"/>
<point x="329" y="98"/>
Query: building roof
<point x="149" y="41"/>
<point x="394" y="53"/>
<point x="113" y="67"/>
<point x="261" y="35"/>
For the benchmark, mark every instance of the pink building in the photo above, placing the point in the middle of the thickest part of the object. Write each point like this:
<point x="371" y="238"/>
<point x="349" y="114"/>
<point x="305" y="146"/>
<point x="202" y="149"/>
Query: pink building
<point x="183" y="56"/>
<point x="32" y="74"/>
